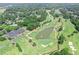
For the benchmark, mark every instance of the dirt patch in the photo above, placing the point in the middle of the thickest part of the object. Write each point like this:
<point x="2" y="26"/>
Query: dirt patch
<point x="44" y="34"/>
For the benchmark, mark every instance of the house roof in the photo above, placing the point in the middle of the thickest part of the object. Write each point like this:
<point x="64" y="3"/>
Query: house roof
<point x="15" y="33"/>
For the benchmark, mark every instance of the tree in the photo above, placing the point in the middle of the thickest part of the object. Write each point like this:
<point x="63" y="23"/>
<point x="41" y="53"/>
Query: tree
<point x="2" y="33"/>
<point x="34" y="44"/>
<point x="60" y="29"/>
<point x="59" y="20"/>
<point x="32" y="26"/>
<point x="76" y="23"/>
<point x="61" y="39"/>
<point x="19" y="48"/>
<point x="56" y="15"/>
<point x="2" y="38"/>
<point x="30" y="40"/>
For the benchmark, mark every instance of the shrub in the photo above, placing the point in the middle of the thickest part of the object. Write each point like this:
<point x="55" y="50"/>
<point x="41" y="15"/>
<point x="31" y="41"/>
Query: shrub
<point x="1" y="33"/>
<point x="61" y="39"/>
<point x="2" y="38"/>
<point x="30" y="40"/>
<point x="75" y="31"/>
<point x="19" y="48"/>
<point x="34" y="44"/>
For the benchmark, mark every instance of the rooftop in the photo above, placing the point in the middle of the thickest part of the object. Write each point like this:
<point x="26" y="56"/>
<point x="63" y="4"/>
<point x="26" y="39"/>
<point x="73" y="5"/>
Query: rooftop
<point x="15" y="33"/>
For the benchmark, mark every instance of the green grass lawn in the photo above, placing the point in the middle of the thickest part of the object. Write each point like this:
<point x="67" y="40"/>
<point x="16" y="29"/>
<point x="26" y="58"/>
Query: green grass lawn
<point x="45" y="39"/>
<point x="7" y="48"/>
<point x="50" y="42"/>
<point x="27" y="47"/>
<point x="75" y="40"/>
<point x="68" y="29"/>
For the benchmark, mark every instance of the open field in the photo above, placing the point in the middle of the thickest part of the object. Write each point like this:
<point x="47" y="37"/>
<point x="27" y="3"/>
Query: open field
<point x="45" y="39"/>
<point x="43" y="45"/>
<point x="38" y="31"/>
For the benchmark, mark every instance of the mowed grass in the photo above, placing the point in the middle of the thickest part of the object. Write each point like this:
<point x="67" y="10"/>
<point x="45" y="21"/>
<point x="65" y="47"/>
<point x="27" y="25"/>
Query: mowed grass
<point x="13" y="50"/>
<point x="45" y="26"/>
<point x="3" y="46"/>
<point x="68" y="30"/>
<point x="27" y="47"/>
<point x="44" y="36"/>
<point x="68" y="27"/>
<point x="75" y="40"/>
<point x="6" y="48"/>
